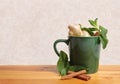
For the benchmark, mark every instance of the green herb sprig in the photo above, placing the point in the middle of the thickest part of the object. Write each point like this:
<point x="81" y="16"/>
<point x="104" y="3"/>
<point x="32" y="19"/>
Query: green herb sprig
<point x="64" y="66"/>
<point x="100" y="29"/>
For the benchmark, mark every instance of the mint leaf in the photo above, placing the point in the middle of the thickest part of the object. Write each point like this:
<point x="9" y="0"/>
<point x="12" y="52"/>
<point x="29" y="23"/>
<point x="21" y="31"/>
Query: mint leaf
<point x="93" y="29"/>
<point x="103" y="36"/>
<point x="60" y="65"/>
<point x="63" y="64"/>
<point x="88" y="30"/>
<point x="96" y="21"/>
<point x="103" y="31"/>
<point x="104" y="41"/>
<point x="93" y="23"/>
<point x="63" y="71"/>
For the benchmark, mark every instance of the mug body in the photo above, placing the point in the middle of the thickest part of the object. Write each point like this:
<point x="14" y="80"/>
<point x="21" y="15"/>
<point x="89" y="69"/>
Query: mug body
<point x="85" y="51"/>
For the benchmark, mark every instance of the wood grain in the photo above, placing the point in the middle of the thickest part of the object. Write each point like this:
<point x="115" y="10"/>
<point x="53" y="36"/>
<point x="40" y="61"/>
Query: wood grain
<point x="47" y="74"/>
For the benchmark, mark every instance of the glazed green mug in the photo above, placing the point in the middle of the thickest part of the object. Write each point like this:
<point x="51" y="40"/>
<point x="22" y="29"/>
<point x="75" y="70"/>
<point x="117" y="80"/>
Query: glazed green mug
<point x="83" y="51"/>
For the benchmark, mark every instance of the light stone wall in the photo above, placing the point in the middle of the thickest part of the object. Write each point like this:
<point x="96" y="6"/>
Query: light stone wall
<point x="28" y="28"/>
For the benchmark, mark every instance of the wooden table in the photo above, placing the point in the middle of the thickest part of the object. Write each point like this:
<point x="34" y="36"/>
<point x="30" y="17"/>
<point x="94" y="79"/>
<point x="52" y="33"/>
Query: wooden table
<point x="47" y="74"/>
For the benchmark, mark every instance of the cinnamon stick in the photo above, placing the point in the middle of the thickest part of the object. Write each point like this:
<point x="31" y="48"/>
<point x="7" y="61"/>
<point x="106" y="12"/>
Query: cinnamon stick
<point x="73" y="75"/>
<point x="81" y="76"/>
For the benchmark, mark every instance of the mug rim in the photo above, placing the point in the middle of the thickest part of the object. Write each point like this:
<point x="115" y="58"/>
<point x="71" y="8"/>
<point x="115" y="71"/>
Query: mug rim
<point x="84" y="36"/>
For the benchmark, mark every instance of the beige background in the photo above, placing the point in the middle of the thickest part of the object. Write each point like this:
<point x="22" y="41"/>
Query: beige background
<point x="28" y="28"/>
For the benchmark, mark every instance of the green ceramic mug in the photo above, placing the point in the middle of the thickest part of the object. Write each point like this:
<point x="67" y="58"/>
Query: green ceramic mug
<point x="83" y="51"/>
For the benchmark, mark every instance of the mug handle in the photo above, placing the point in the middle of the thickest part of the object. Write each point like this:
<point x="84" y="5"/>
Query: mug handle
<point x="58" y="41"/>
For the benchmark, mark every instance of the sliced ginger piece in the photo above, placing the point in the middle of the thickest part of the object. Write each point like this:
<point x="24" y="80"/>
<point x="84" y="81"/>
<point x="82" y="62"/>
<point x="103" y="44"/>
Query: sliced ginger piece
<point x="85" y="33"/>
<point x="75" y="30"/>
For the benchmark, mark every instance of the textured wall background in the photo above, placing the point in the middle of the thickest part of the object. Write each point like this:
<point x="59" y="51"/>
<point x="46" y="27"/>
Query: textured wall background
<point x="28" y="28"/>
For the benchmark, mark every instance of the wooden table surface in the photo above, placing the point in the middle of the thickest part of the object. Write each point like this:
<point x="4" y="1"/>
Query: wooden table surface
<point x="47" y="74"/>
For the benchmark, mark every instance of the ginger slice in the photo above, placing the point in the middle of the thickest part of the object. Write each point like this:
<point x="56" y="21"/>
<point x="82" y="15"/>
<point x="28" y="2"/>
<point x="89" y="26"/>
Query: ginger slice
<point x="75" y="30"/>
